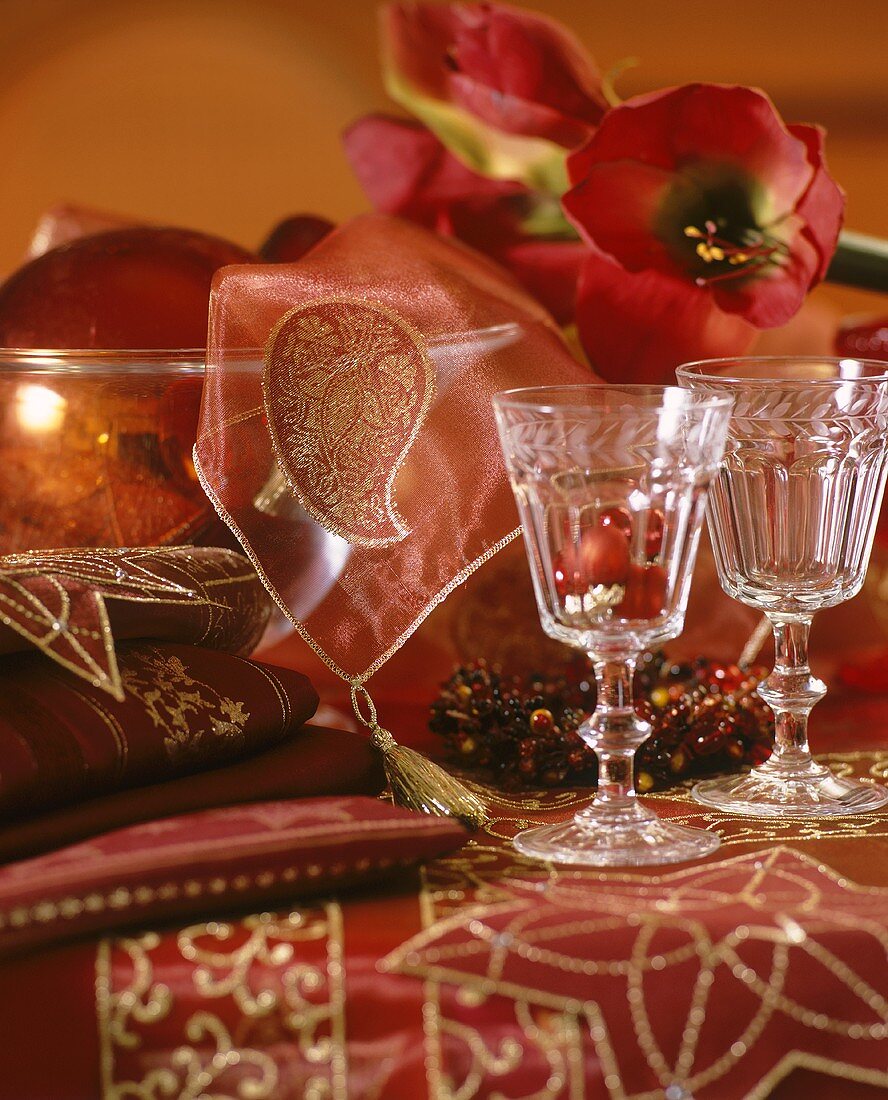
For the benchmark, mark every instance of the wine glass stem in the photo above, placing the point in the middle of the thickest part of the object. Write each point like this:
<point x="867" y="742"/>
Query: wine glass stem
<point x="791" y="691"/>
<point x="615" y="731"/>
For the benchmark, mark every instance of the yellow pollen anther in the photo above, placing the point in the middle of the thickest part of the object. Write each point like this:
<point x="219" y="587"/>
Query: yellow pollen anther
<point x="738" y="258"/>
<point x="692" y="231"/>
<point x="716" y="253"/>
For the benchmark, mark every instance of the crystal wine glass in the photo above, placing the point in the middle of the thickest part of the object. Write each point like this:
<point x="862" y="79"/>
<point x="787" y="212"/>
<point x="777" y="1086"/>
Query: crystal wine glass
<point x="792" y="517"/>
<point x="611" y="488"/>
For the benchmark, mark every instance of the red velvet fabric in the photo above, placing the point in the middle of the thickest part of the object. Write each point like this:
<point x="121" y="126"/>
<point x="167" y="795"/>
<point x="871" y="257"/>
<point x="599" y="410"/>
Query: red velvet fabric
<point x="313" y="762"/>
<point x="184" y="710"/>
<point x="221" y="858"/>
<point x="74" y="605"/>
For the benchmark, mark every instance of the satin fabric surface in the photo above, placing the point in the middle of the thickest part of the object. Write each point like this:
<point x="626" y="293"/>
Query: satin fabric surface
<point x="759" y="972"/>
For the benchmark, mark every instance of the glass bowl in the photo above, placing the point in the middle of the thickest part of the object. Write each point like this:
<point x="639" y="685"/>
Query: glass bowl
<point x="95" y="448"/>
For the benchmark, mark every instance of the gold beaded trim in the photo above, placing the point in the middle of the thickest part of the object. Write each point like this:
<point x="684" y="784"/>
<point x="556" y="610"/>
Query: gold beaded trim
<point x="124" y="897"/>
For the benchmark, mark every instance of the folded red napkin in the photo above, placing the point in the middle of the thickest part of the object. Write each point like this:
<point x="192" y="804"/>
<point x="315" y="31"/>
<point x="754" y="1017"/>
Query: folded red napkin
<point x="214" y="860"/>
<point x="183" y="710"/>
<point x="73" y="605"/>
<point x="314" y="761"/>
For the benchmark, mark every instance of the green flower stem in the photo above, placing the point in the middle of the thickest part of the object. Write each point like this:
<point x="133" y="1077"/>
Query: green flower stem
<point x="861" y="262"/>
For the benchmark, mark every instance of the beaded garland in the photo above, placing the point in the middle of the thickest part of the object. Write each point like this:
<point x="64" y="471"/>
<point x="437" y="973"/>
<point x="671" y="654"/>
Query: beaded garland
<point x="706" y="716"/>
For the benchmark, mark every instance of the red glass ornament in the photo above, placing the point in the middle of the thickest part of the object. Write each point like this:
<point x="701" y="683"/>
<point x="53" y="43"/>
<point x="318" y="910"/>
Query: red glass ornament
<point x="645" y="593"/>
<point x="142" y="288"/>
<point x="618" y="518"/>
<point x="292" y="238"/>
<point x="603" y="558"/>
<point x="653" y="538"/>
<point x="177" y="428"/>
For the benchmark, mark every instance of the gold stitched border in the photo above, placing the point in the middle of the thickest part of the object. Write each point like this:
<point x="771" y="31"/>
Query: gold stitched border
<point x="362" y="677"/>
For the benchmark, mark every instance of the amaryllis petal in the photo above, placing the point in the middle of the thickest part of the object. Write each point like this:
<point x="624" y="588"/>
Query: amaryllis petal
<point x="741" y="126"/>
<point x="703" y="191"/>
<point x="415" y="43"/>
<point x="616" y="205"/>
<point x="506" y="91"/>
<point x="516" y="116"/>
<point x="777" y="294"/>
<point x="530" y="59"/>
<point x="639" y="129"/>
<point x="550" y="271"/>
<point x="720" y="124"/>
<point x="640" y="327"/>
<point x="444" y="50"/>
<point x="822" y="207"/>
<point x="404" y="169"/>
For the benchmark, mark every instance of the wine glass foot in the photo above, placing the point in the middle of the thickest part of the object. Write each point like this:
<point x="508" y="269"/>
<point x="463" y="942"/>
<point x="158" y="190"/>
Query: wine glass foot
<point x="602" y="837"/>
<point x="770" y="792"/>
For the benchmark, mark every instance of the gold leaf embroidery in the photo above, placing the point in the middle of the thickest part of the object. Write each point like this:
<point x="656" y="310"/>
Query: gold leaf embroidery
<point x="347" y="386"/>
<point x="185" y="710"/>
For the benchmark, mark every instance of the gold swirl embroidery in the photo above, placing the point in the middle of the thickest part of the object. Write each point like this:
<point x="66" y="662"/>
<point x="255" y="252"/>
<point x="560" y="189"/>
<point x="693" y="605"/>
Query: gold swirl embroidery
<point x="276" y="981"/>
<point x="347" y="385"/>
<point x="192" y="716"/>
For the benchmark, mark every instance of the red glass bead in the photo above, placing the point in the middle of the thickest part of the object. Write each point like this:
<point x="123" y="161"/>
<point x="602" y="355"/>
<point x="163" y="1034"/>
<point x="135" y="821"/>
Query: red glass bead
<point x="679" y="761"/>
<point x="653" y="539"/>
<point x="735" y="748"/>
<point x="710" y="741"/>
<point x="542" y="720"/>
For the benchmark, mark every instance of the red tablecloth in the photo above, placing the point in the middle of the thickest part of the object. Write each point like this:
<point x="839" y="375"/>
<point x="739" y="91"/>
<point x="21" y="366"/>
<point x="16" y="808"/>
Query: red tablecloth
<point x="761" y="971"/>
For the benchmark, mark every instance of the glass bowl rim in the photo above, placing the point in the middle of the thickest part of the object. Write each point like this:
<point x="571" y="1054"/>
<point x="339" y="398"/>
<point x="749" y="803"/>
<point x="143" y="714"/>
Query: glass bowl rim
<point x="692" y="370"/>
<point x="85" y="360"/>
<point x="512" y="398"/>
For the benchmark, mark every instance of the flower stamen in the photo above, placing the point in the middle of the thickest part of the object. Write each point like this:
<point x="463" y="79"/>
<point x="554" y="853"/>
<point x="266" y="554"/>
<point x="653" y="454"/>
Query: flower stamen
<point x="755" y="250"/>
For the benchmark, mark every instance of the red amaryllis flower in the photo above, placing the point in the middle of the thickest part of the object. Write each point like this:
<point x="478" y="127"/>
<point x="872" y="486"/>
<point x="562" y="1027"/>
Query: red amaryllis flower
<point x="708" y="218"/>
<point x="405" y="170"/>
<point x="503" y="88"/>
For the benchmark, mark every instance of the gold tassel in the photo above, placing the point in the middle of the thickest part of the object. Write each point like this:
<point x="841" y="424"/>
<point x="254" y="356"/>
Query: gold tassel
<point x="416" y="782"/>
<point x="755" y="641"/>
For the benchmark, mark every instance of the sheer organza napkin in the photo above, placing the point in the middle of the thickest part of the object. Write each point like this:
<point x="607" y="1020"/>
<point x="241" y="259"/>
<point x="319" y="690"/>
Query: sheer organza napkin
<point x="347" y="438"/>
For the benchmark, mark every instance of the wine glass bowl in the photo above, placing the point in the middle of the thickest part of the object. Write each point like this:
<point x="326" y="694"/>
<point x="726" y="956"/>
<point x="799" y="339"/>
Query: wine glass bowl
<point x="792" y="517"/>
<point x="610" y="483"/>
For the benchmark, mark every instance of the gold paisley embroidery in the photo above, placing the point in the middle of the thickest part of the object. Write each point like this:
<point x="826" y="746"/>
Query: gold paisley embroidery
<point x="347" y="386"/>
<point x="187" y="712"/>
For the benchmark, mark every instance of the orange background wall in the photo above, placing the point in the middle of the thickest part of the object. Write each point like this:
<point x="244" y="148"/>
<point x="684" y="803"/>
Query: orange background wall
<point x="225" y="114"/>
